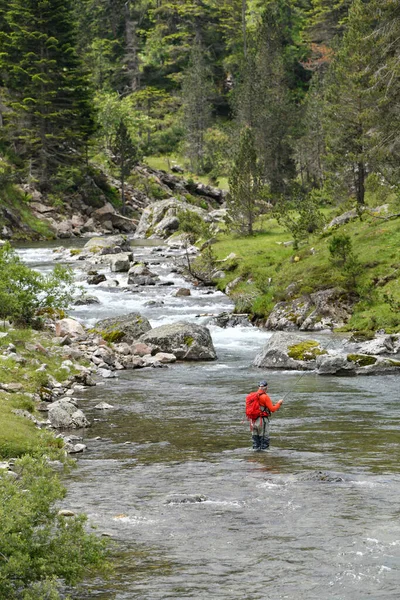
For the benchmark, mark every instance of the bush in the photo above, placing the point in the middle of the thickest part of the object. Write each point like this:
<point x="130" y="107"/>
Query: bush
<point x="39" y="546"/>
<point x="23" y="291"/>
<point x="343" y="258"/>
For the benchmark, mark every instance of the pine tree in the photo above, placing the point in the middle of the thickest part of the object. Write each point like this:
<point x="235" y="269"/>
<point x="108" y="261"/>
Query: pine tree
<point x="350" y="106"/>
<point x="266" y="98"/>
<point x="328" y="19"/>
<point x="245" y="185"/>
<point x="125" y="155"/>
<point x="196" y="100"/>
<point x="50" y="116"/>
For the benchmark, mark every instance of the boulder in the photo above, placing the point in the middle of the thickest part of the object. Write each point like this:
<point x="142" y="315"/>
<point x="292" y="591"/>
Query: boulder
<point x="334" y="364"/>
<point x="381" y="344"/>
<point x="69" y="327"/>
<point x="182" y="292"/>
<point x="120" y="263"/>
<point x="275" y="354"/>
<point x="126" y="328"/>
<point x="140" y="274"/>
<point x="160" y="218"/>
<point x="63" y="414"/>
<point x="343" y="218"/>
<point x="186" y="341"/>
<point x="326" y="309"/>
<point x="95" y="278"/>
<point x="96" y="244"/>
<point x="86" y="299"/>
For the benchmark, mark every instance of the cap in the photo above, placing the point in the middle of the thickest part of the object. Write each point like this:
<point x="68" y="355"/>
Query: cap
<point x="263" y="383"/>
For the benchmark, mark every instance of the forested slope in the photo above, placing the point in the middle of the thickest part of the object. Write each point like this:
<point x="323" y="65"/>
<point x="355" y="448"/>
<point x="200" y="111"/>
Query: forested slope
<point x="291" y="104"/>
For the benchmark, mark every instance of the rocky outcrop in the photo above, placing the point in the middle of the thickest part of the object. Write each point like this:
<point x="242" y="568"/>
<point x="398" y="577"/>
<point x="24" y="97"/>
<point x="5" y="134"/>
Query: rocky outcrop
<point x="126" y="328"/>
<point x="286" y="350"/>
<point x="160" y="219"/>
<point x="184" y="340"/>
<point x="327" y="309"/>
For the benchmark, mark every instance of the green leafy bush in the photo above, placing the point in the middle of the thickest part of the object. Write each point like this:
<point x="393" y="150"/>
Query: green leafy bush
<point x="39" y="547"/>
<point x="23" y="291"/>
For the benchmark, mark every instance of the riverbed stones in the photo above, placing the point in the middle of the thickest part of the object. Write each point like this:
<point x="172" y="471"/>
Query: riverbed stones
<point x="125" y="328"/>
<point x="63" y="414"/>
<point x="185" y="340"/>
<point x="94" y="278"/>
<point x="69" y="327"/>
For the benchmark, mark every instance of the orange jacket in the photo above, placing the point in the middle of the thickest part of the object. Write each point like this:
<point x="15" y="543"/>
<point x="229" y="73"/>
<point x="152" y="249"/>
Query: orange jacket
<point x="265" y="400"/>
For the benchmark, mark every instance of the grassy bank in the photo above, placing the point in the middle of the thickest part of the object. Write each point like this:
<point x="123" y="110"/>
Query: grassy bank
<point x="267" y="266"/>
<point x="22" y="369"/>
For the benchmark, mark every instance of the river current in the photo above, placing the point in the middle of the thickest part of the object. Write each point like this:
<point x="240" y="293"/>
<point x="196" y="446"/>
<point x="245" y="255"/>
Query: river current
<point x="170" y="476"/>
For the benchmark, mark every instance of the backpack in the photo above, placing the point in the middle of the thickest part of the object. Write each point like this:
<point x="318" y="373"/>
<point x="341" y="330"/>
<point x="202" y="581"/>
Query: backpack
<point x="253" y="410"/>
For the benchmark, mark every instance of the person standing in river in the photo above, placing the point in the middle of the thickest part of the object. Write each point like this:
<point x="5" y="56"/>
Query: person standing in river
<point x="260" y="426"/>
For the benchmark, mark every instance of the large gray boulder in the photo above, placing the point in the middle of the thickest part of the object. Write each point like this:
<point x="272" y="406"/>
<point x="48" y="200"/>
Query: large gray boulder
<point x="126" y="328"/>
<point x="276" y="352"/>
<point x="97" y="244"/>
<point x="63" y="414"/>
<point x="159" y="219"/>
<point x="334" y="364"/>
<point x="187" y="341"/>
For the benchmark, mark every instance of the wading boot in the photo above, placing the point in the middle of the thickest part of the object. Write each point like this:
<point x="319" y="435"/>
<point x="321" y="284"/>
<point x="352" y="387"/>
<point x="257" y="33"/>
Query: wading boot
<point x="256" y="443"/>
<point x="264" y="443"/>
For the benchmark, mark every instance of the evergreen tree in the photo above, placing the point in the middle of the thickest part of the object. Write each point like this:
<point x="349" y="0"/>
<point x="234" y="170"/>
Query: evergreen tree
<point x="50" y="118"/>
<point x="245" y="185"/>
<point x="196" y="100"/>
<point x="327" y="19"/>
<point x="267" y="96"/>
<point x="125" y="155"/>
<point x="385" y="66"/>
<point x="350" y="107"/>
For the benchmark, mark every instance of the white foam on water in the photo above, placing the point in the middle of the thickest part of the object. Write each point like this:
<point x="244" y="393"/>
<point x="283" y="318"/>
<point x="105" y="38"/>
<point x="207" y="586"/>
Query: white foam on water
<point x="239" y="337"/>
<point x="234" y="503"/>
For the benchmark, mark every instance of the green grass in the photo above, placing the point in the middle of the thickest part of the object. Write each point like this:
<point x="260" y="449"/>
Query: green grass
<point x="18" y="435"/>
<point x="267" y="268"/>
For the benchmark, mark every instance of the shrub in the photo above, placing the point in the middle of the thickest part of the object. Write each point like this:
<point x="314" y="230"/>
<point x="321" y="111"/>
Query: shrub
<point x="23" y="291"/>
<point x="38" y="545"/>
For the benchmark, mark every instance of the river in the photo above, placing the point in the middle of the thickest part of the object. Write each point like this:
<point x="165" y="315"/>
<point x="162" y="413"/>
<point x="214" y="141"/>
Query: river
<point x="170" y="476"/>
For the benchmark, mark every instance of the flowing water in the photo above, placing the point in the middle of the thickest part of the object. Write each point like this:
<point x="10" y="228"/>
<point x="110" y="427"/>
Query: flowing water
<point x="170" y="476"/>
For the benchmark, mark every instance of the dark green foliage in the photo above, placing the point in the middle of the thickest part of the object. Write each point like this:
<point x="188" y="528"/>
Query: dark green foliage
<point x="39" y="546"/>
<point x="344" y="259"/>
<point x="245" y="186"/>
<point x="48" y="116"/>
<point x="125" y="155"/>
<point x="196" y="101"/>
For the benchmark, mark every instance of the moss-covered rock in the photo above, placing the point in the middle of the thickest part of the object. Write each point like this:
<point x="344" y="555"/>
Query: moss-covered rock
<point x="307" y="350"/>
<point x="126" y="328"/>
<point x="361" y="360"/>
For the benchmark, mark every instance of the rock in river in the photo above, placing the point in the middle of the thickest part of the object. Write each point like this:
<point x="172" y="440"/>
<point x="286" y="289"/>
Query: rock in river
<point x="186" y="341"/>
<point x="126" y="328"/>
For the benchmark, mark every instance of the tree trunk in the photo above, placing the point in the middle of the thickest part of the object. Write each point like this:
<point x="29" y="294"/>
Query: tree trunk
<point x="361" y="183"/>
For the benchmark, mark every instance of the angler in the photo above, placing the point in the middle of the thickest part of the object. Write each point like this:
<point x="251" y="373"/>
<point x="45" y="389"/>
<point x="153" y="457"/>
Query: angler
<point x="259" y="408"/>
